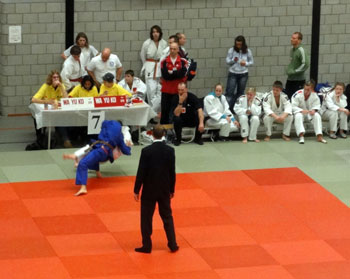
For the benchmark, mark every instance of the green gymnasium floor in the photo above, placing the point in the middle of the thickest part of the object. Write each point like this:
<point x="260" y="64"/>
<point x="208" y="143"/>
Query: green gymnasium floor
<point x="328" y="164"/>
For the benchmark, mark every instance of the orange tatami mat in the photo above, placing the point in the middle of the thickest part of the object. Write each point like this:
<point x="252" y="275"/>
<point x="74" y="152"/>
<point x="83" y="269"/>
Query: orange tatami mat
<point x="256" y="224"/>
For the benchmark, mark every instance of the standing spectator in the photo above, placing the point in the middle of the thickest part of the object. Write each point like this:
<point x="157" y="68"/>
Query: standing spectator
<point x="72" y="70"/>
<point x="187" y="112"/>
<point x="277" y="108"/>
<point x="133" y="84"/>
<point x="306" y="106"/>
<point x="174" y="69"/>
<point x="151" y="52"/>
<point x="217" y="109"/>
<point x="182" y="41"/>
<point x="298" y="65"/>
<point x="87" y="51"/>
<point x="333" y="108"/>
<point x="104" y="63"/>
<point x="239" y="58"/>
<point x="248" y="109"/>
<point x="166" y="51"/>
<point x="156" y="175"/>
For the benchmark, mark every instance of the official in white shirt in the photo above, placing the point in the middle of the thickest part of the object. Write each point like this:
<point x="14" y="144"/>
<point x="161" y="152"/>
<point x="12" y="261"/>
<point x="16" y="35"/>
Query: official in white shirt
<point x="105" y="63"/>
<point x="306" y="106"/>
<point x="277" y="108"/>
<point x="248" y="110"/>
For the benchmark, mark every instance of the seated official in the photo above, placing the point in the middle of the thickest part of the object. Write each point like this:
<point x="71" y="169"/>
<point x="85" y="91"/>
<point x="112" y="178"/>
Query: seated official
<point x="87" y="88"/>
<point x="133" y="84"/>
<point x="110" y="88"/>
<point x="333" y="108"/>
<point x="248" y="110"/>
<point x="277" y="108"/>
<point x="306" y="106"/>
<point x="217" y="109"/>
<point x="50" y="93"/>
<point x="187" y="112"/>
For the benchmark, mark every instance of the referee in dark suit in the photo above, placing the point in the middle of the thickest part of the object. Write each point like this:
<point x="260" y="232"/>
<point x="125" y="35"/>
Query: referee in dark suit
<point x="156" y="176"/>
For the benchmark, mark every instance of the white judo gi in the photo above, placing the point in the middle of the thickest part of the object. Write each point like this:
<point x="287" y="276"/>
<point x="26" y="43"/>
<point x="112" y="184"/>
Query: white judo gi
<point x="72" y="71"/>
<point x="329" y="111"/>
<point x="138" y="88"/>
<point x="270" y="107"/>
<point x="312" y="103"/>
<point x="150" y="55"/>
<point x="87" y="53"/>
<point x="218" y="110"/>
<point x="249" y="123"/>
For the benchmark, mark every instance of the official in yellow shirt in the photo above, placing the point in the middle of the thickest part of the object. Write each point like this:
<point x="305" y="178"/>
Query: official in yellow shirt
<point x="51" y="91"/>
<point x="87" y="88"/>
<point x="109" y="88"/>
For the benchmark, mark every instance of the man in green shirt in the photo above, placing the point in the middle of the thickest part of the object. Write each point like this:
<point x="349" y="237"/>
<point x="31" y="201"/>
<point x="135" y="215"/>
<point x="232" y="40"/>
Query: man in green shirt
<point x="298" y="65"/>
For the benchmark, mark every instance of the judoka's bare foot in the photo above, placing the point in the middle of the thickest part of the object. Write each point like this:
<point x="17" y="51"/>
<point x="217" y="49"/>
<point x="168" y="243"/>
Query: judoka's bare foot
<point x="98" y="174"/>
<point x="257" y="140"/>
<point x="245" y="140"/>
<point x="267" y="138"/>
<point x="82" y="191"/>
<point x="69" y="156"/>
<point x="285" y="137"/>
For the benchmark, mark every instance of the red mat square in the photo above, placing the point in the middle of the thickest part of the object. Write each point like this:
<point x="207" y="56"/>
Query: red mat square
<point x="75" y="224"/>
<point x="100" y="265"/>
<point x="215" y="236"/>
<point x="112" y="202"/>
<point x="297" y="252"/>
<point x="25" y="247"/>
<point x="278" y="176"/>
<point x="42" y="268"/>
<point x="57" y="206"/>
<point x="185" y="260"/>
<point x="13" y="209"/>
<point x="7" y="192"/>
<point x="236" y="256"/>
<point x="328" y="270"/>
<point x="84" y="244"/>
<point x="255" y="272"/>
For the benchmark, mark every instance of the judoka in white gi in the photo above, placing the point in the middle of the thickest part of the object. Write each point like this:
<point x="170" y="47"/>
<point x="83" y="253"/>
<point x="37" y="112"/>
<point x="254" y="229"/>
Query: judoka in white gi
<point x="277" y="108"/>
<point x="333" y="108"/>
<point x="217" y="108"/>
<point x="72" y="70"/>
<point x="306" y="106"/>
<point x="248" y="110"/>
<point x="133" y="84"/>
<point x="151" y="53"/>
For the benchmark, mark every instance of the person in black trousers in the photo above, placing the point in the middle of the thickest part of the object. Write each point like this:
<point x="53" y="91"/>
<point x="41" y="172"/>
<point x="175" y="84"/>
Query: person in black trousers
<point x="156" y="176"/>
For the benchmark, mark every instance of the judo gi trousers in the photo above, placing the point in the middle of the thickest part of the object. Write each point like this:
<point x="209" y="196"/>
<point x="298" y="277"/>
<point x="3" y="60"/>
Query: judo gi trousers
<point x="287" y="124"/>
<point x="249" y="126"/>
<point x="315" y="119"/>
<point x="90" y="162"/>
<point x="333" y="117"/>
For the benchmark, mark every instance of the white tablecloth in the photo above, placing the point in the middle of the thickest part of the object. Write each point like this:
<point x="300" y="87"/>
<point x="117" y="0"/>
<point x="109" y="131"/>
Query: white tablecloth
<point x="138" y="115"/>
